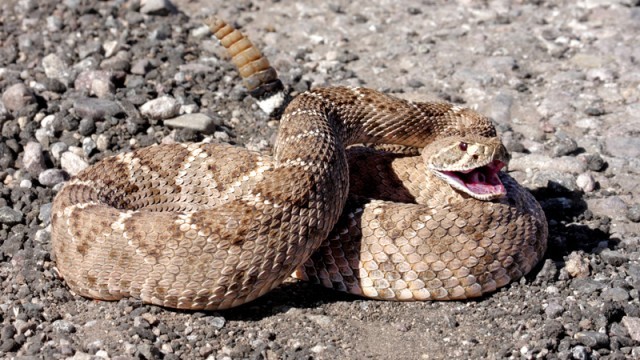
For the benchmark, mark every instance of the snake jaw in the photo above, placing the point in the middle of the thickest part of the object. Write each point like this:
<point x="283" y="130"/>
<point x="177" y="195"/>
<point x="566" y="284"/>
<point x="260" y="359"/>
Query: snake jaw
<point x="482" y="182"/>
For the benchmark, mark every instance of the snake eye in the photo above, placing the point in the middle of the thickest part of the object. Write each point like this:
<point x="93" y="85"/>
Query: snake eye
<point x="463" y="146"/>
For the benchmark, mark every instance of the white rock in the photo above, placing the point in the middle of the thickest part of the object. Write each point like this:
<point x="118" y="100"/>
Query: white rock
<point x="633" y="326"/>
<point x="57" y="149"/>
<point x="200" y="32"/>
<point x="110" y="48"/>
<point x="33" y="159"/>
<point x="577" y="266"/>
<point x="164" y="107"/>
<point x="55" y="68"/>
<point x="157" y="7"/>
<point x="198" y="122"/>
<point x="586" y="182"/>
<point x="72" y="163"/>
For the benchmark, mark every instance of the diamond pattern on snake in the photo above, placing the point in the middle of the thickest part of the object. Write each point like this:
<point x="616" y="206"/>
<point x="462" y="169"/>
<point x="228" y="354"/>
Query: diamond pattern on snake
<point x="423" y="212"/>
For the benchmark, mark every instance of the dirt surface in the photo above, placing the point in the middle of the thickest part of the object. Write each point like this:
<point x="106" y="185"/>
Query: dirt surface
<point x="559" y="78"/>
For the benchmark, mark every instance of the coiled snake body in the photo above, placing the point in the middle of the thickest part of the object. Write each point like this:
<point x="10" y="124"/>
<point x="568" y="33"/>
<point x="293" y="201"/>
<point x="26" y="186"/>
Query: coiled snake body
<point x="209" y="226"/>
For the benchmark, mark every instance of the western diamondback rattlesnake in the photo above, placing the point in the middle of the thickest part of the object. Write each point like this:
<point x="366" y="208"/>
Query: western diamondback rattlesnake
<point x="209" y="226"/>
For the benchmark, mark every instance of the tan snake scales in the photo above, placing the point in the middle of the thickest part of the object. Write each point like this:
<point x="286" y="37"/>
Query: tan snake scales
<point x="210" y="226"/>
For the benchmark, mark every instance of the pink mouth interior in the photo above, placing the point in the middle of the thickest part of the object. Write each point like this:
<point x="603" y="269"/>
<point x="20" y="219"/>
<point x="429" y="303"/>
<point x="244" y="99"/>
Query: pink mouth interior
<point x="482" y="181"/>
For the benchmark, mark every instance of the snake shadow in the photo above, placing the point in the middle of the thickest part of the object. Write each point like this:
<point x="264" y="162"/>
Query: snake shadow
<point x="572" y="226"/>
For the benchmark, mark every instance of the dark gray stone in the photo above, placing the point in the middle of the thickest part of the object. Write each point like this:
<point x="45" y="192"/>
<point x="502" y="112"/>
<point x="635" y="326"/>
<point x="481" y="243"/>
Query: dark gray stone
<point x="10" y="216"/>
<point x="562" y="145"/>
<point x="594" y="161"/>
<point x="593" y="339"/>
<point x="96" y="109"/>
<point x="45" y="212"/>
<point x="615" y="294"/>
<point x="633" y="213"/>
<point x="554" y="310"/>
<point x="9" y="345"/>
<point x="87" y="126"/>
<point x="612" y="257"/>
<point x="7" y="156"/>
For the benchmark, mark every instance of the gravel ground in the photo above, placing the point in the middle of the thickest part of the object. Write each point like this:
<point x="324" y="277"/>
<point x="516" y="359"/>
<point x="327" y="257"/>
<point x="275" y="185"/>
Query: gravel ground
<point x="81" y="80"/>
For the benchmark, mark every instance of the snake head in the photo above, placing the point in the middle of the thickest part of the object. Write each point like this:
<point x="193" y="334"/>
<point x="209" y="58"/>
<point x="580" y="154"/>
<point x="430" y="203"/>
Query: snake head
<point x="469" y="164"/>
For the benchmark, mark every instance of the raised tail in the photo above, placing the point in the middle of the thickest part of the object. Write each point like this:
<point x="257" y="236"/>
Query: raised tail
<point x="257" y="74"/>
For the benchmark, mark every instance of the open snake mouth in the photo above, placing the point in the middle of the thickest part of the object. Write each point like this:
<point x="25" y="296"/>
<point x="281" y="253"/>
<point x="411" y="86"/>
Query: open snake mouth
<point x="482" y="182"/>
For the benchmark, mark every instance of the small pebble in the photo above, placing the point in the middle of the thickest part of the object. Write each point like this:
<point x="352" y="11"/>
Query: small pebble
<point x="157" y="7"/>
<point x="633" y="213"/>
<point x="87" y="126"/>
<point x="55" y="68"/>
<point x="594" y="161"/>
<point x="26" y="184"/>
<point x="97" y="109"/>
<point x="586" y="182"/>
<point x="562" y="145"/>
<point x="23" y="326"/>
<point x="10" y="216"/>
<point x="610" y="206"/>
<point x="633" y="326"/>
<point x="198" y="122"/>
<point x="613" y="257"/>
<point x="592" y="339"/>
<point x="57" y="149"/>
<point x="72" y="163"/>
<point x="102" y="142"/>
<point x="577" y="266"/>
<point x="118" y="63"/>
<point x="88" y="146"/>
<point x="161" y="108"/>
<point x="148" y="351"/>
<point x="33" y="159"/>
<point x="51" y="177"/>
<point x="18" y="96"/>
<point x="110" y="48"/>
<point x="142" y="66"/>
<point x="64" y="326"/>
<point x="44" y="214"/>
<point x="580" y="353"/>
<point x="615" y="294"/>
<point x="553" y="310"/>
<point x="318" y="349"/>
<point x="200" y="31"/>
<point x="217" y="322"/>
<point x="222" y="136"/>
<point x="96" y="82"/>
